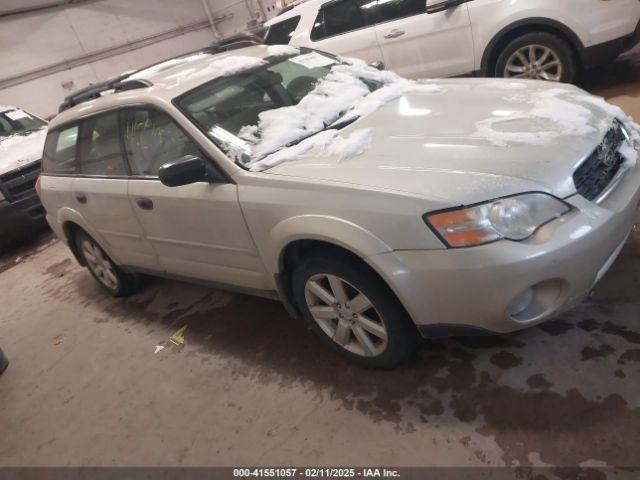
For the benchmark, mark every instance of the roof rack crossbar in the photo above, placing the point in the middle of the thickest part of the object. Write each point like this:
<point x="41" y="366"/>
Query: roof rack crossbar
<point x="234" y="42"/>
<point x="125" y="85"/>
<point x="119" y="83"/>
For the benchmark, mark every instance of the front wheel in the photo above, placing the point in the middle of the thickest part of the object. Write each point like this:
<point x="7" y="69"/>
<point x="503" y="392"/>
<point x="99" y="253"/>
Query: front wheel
<point x="538" y="56"/>
<point x="102" y="268"/>
<point x="353" y="311"/>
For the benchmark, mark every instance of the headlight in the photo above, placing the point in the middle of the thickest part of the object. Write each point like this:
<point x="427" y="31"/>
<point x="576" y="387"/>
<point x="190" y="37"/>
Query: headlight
<point x="511" y="218"/>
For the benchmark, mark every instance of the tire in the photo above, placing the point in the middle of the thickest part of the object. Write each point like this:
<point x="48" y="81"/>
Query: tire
<point x="4" y="363"/>
<point x="558" y="50"/>
<point x="7" y="242"/>
<point x="386" y="314"/>
<point x="111" y="277"/>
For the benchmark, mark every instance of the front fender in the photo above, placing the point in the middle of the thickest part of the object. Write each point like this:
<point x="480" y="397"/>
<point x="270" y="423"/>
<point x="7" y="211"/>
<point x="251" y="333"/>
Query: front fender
<point x="333" y="230"/>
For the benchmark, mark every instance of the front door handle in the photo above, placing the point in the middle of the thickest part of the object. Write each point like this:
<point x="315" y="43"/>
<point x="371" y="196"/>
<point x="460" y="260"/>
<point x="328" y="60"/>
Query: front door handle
<point x="81" y="197"/>
<point x="144" y="203"/>
<point x="395" y="33"/>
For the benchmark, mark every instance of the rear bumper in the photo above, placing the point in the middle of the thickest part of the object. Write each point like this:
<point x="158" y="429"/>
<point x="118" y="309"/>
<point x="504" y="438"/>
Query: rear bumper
<point x="472" y="290"/>
<point x="605" y="52"/>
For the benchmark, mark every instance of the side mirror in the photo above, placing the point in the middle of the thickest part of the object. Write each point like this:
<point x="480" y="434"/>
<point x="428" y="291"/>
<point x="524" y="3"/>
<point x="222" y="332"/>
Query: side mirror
<point x="435" y="6"/>
<point x="184" y="171"/>
<point x="378" y="65"/>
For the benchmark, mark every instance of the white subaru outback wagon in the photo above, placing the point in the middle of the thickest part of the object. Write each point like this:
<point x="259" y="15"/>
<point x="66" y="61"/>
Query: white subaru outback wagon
<point x="542" y="39"/>
<point x="375" y="207"/>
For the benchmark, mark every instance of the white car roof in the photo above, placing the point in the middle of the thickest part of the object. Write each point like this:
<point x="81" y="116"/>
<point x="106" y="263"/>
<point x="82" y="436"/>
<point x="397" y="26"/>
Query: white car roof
<point x="170" y="79"/>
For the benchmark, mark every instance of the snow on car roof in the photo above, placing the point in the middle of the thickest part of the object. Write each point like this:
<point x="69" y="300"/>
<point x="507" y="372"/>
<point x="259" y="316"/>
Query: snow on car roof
<point x="175" y="76"/>
<point x="199" y="67"/>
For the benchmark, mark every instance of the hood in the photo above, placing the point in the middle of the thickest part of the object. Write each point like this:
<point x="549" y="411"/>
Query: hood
<point x="474" y="141"/>
<point x="19" y="150"/>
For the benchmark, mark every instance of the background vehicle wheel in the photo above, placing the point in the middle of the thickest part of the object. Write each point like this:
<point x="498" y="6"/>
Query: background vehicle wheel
<point x="354" y="311"/>
<point x="539" y="56"/>
<point x="107" y="273"/>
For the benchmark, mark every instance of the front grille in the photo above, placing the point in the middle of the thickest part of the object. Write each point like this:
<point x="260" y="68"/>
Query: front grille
<point x="593" y="176"/>
<point x="20" y="183"/>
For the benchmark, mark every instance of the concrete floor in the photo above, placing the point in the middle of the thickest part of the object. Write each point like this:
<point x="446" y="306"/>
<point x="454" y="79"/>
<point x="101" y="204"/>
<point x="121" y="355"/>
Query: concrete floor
<point x="252" y="386"/>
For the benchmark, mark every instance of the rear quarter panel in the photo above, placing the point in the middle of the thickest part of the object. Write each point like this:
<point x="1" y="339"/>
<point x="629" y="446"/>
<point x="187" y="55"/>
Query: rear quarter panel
<point x="593" y="21"/>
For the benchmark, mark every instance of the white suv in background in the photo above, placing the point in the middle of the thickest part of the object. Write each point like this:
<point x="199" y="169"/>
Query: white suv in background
<point x="541" y="39"/>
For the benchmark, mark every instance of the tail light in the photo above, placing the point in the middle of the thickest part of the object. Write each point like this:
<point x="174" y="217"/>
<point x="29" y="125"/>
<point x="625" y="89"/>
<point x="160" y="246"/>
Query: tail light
<point x="39" y="187"/>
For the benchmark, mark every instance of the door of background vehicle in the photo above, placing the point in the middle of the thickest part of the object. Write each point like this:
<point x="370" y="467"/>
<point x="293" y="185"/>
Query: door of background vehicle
<point x="416" y="44"/>
<point x="198" y="230"/>
<point x="100" y="192"/>
<point x="345" y="27"/>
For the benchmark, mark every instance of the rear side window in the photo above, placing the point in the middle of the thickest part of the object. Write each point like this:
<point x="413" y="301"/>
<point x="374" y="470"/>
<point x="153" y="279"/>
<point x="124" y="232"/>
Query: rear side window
<point x="341" y="17"/>
<point x="152" y="139"/>
<point x="100" y="152"/>
<point x="60" y="151"/>
<point x="281" y="32"/>
<point x="390" y="10"/>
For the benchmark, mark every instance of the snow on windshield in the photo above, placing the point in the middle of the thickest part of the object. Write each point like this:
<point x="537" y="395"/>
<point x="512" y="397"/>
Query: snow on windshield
<point x="546" y="115"/>
<point x="341" y="94"/>
<point x="328" y="142"/>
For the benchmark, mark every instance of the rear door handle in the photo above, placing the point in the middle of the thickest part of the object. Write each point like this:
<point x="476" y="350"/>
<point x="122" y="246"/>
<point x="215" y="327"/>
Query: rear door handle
<point x="144" y="203"/>
<point x="394" y="33"/>
<point x="81" y="197"/>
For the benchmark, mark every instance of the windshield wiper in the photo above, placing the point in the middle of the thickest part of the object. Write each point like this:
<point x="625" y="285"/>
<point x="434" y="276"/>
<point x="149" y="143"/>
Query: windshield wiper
<point x="337" y="125"/>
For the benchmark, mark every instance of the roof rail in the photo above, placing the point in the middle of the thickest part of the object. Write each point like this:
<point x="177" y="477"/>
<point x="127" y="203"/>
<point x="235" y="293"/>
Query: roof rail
<point x="234" y="42"/>
<point x="119" y="84"/>
<point x="132" y="84"/>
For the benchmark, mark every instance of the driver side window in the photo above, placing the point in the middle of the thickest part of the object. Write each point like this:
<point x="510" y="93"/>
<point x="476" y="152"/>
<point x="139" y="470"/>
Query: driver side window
<point x="152" y="139"/>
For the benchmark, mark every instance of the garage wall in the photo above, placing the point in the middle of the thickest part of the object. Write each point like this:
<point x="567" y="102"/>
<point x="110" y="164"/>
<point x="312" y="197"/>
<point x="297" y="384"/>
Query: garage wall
<point x="46" y="54"/>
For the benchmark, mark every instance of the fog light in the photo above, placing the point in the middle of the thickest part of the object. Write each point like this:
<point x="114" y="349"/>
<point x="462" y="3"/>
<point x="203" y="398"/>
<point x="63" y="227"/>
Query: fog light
<point x="521" y="302"/>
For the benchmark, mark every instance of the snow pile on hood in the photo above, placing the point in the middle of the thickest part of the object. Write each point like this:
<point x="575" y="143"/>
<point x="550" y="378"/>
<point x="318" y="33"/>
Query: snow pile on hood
<point x="505" y="85"/>
<point x="21" y="149"/>
<point x="342" y="93"/>
<point x="555" y="113"/>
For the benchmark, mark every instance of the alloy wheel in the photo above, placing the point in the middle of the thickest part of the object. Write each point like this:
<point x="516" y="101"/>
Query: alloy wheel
<point x="536" y="62"/>
<point x="99" y="264"/>
<point x="346" y="315"/>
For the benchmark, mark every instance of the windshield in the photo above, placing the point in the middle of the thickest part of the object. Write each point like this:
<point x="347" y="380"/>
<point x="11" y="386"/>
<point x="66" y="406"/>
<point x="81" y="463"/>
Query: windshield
<point x="294" y="95"/>
<point x="18" y="121"/>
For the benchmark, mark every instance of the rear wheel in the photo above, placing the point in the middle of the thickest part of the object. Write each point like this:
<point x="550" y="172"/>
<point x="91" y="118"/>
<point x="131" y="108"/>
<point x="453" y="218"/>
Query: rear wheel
<point x="104" y="270"/>
<point x="353" y="311"/>
<point x="538" y="56"/>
